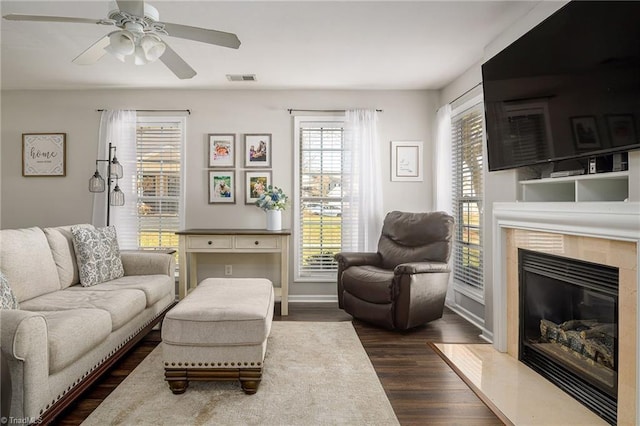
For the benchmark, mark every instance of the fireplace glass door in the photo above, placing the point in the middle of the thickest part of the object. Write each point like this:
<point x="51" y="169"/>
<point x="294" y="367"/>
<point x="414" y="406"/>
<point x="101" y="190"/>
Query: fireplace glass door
<point x="568" y="326"/>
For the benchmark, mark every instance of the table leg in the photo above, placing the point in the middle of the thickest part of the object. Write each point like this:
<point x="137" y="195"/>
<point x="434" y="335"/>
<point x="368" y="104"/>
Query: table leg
<point x="284" y="277"/>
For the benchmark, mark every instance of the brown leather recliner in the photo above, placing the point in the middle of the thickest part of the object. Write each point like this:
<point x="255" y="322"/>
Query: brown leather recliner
<point x="404" y="284"/>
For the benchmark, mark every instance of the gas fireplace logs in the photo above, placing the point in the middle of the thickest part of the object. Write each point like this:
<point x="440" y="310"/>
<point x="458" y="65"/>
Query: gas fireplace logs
<point x="588" y="338"/>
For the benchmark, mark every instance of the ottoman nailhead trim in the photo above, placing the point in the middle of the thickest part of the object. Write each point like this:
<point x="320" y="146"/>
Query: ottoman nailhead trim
<point x="200" y="364"/>
<point x="206" y="364"/>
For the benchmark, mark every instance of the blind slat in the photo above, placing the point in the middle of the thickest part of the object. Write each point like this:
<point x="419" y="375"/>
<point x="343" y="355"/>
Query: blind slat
<point x="467" y="136"/>
<point x="159" y="162"/>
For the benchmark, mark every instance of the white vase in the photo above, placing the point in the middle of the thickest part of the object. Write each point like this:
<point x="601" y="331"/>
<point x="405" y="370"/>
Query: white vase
<point x="274" y="220"/>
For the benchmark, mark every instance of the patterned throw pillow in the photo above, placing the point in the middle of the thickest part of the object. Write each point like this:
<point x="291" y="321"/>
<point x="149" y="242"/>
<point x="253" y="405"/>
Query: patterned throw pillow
<point x="7" y="298"/>
<point x="97" y="253"/>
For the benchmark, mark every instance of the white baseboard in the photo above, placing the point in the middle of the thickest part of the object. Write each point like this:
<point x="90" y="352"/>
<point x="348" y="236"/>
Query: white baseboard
<point x="313" y="298"/>
<point x="472" y="318"/>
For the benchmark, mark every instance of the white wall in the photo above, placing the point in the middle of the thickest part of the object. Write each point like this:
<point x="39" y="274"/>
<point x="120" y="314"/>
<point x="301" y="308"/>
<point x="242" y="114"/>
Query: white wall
<point x="51" y="201"/>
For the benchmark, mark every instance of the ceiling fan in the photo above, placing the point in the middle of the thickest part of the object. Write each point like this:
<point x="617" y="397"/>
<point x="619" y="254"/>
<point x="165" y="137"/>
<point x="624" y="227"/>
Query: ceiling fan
<point x="140" y="36"/>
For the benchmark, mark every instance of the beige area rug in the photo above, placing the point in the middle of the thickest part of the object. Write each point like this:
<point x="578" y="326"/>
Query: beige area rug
<point x="316" y="373"/>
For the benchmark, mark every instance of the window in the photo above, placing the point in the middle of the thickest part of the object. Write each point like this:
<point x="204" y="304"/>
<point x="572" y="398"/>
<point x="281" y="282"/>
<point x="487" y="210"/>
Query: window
<point x="159" y="143"/>
<point x="467" y="135"/>
<point x="319" y="197"/>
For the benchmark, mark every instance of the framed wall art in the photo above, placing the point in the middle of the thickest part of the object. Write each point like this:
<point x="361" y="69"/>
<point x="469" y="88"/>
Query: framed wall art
<point x="222" y="187"/>
<point x="222" y="150"/>
<point x="406" y="161"/>
<point x="255" y="184"/>
<point x="257" y="150"/>
<point x="621" y="129"/>
<point x="585" y="132"/>
<point x="44" y="154"/>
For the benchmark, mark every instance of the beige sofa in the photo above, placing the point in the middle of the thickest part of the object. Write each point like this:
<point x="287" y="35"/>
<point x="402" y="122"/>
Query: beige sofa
<point x="63" y="335"/>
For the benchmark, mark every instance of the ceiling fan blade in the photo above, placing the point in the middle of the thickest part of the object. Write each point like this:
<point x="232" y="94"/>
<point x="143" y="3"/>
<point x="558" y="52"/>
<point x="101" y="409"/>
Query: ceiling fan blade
<point x="132" y="7"/>
<point x="93" y="53"/>
<point x="204" y="35"/>
<point x="39" y="18"/>
<point x="176" y="64"/>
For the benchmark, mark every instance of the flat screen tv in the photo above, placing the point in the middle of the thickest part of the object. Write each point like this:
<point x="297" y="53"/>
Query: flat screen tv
<point x="569" y="88"/>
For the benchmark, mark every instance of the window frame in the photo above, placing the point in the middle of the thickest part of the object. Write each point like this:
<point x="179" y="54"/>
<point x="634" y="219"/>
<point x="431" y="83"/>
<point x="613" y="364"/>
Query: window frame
<point x="471" y="291"/>
<point x="182" y="196"/>
<point x="320" y="277"/>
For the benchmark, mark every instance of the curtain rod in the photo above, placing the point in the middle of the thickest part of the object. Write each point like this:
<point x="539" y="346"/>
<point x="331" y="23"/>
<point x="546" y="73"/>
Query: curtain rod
<point x="321" y="110"/>
<point x="479" y="84"/>
<point x="188" y="111"/>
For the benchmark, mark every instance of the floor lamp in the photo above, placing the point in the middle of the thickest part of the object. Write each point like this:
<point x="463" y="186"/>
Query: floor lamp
<point x="114" y="172"/>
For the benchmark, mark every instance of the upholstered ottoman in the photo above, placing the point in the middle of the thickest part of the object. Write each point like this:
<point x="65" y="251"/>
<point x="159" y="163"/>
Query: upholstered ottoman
<point x="219" y="331"/>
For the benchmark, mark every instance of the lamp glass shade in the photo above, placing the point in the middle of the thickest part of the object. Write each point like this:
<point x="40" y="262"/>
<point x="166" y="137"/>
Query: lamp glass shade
<point x="117" y="197"/>
<point x="121" y="44"/>
<point x="152" y="47"/>
<point x="116" y="169"/>
<point x="96" y="183"/>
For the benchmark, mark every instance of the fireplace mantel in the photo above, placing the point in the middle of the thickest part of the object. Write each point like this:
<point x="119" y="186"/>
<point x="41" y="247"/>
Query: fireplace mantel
<point x="613" y="222"/>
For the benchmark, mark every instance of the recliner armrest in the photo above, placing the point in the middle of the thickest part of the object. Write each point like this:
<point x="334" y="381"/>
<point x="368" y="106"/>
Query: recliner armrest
<point x="421" y="268"/>
<point x="347" y="259"/>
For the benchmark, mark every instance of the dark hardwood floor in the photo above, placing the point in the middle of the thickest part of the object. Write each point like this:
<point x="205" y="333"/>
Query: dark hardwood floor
<point x="422" y="389"/>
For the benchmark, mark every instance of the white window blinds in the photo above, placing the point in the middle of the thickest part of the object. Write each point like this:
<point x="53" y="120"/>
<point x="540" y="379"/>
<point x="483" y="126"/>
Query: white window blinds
<point x="319" y="197"/>
<point x="158" y="156"/>
<point x="467" y="136"/>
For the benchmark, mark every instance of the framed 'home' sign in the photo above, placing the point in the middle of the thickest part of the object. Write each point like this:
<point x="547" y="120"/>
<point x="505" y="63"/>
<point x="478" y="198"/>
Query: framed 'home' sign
<point x="44" y="154"/>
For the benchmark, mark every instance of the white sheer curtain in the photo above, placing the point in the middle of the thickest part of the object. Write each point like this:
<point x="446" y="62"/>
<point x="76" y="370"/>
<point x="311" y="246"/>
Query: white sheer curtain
<point x="362" y="185"/>
<point x="118" y="127"/>
<point x="442" y="159"/>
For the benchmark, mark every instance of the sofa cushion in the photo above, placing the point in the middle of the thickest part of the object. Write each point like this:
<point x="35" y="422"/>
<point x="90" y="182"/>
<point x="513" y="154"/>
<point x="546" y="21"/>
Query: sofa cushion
<point x="27" y="262"/>
<point x="7" y="298"/>
<point x="61" y="242"/>
<point x="97" y="254"/>
<point x="122" y="305"/>
<point x="155" y="287"/>
<point x="72" y="333"/>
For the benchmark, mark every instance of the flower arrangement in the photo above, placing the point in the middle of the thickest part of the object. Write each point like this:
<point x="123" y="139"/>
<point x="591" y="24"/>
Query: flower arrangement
<point x="272" y="199"/>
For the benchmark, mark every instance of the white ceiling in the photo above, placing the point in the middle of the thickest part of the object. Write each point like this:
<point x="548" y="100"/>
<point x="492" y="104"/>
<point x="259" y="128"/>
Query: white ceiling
<point x="288" y="45"/>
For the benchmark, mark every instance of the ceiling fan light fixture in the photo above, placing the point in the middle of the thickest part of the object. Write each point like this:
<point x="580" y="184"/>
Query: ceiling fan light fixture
<point x="121" y="44"/>
<point x="152" y="47"/>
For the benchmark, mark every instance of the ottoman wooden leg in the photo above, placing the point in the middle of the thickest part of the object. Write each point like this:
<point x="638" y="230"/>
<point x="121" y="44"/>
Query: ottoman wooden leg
<point x="250" y="379"/>
<point x="177" y="378"/>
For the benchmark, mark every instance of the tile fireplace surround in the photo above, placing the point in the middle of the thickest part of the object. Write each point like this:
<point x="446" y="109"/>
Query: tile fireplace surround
<point x="604" y="233"/>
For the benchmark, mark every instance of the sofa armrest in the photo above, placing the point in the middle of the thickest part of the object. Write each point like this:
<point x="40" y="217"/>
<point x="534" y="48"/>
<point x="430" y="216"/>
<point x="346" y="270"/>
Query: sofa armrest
<point x="347" y="259"/>
<point x="148" y="263"/>
<point x="23" y="342"/>
<point x="421" y="268"/>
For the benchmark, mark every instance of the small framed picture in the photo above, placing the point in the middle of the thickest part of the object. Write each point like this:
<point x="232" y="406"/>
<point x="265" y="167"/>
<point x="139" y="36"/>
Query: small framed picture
<point x="255" y="184"/>
<point x="585" y="132"/>
<point x="222" y="150"/>
<point x="44" y="154"/>
<point x="406" y="161"/>
<point x="622" y="131"/>
<point x="257" y="150"/>
<point x="222" y="186"/>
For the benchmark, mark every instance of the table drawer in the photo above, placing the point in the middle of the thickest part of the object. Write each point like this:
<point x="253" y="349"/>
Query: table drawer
<point x="257" y="242"/>
<point x="209" y="241"/>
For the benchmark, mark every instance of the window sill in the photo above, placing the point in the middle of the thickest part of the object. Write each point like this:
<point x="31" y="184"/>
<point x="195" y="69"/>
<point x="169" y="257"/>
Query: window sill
<point x="470" y="292"/>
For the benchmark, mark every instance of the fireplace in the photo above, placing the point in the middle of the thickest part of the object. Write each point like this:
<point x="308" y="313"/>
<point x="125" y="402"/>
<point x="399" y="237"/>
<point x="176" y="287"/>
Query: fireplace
<point x="599" y="233"/>
<point x="568" y="326"/>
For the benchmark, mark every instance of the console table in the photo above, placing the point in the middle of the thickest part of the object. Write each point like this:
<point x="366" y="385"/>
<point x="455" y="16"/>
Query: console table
<point x="194" y="241"/>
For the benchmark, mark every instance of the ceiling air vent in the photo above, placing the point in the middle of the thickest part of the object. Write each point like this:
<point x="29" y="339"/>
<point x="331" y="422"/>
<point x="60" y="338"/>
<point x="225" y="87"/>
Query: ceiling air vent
<point x="241" y="77"/>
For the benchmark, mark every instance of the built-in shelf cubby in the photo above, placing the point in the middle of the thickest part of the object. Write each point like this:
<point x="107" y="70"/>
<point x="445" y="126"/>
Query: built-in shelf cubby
<point x="595" y="187"/>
